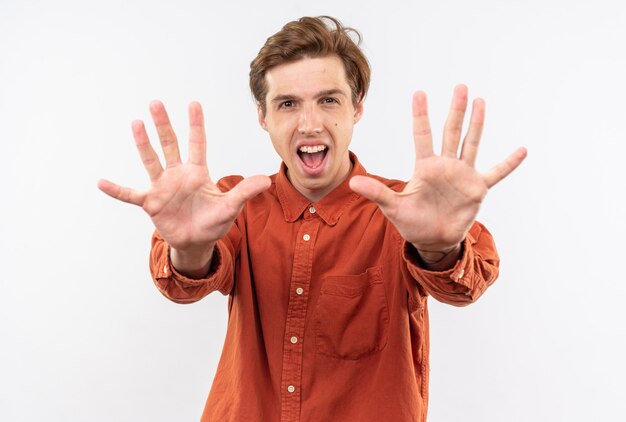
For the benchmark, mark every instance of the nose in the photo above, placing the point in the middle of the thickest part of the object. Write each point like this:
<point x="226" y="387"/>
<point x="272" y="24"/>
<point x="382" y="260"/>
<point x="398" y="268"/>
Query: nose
<point x="310" y="122"/>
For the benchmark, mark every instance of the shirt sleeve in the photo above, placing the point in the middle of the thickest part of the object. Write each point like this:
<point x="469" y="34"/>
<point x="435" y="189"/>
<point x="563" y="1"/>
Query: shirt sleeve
<point x="180" y="289"/>
<point x="476" y="270"/>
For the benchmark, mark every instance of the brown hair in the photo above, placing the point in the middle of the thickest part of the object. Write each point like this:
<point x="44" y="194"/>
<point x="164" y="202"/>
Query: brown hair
<point x="312" y="37"/>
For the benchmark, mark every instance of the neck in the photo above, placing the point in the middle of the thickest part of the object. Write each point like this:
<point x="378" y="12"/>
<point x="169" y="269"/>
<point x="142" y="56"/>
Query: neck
<point x="315" y="195"/>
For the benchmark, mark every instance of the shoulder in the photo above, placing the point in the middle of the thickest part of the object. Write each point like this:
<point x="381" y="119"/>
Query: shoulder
<point x="393" y="184"/>
<point x="359" y="170"/>
<point x="226" y="183"/>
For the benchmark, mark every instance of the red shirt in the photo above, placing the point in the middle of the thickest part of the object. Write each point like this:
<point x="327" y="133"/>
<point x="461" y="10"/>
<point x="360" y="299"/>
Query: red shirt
<point x="328" y="316"/>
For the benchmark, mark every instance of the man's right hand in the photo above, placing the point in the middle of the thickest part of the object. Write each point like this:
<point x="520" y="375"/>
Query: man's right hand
<point x="188" y="210"/>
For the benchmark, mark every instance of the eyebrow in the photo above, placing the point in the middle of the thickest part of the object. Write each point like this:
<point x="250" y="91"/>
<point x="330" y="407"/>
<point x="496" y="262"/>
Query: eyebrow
<point x="325" y="93"/>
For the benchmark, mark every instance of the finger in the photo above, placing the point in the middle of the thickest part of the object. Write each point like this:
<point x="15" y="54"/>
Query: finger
<point x="169" y="143"/>
<point x="503" y="169"/>
<point x="148" y="156"/>
<point x="454" y="123"/>
<point x="474" y="133"/>
<point x="248" y="188"/>
<point x="422" y="134"/>
<point x="373" y="190"/>
<point x="128" y="195"/>
<point x="197" y="136"/>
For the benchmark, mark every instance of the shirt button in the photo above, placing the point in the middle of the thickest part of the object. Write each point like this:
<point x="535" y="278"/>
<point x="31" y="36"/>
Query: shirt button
<point x="294" y="339"/>
<point x="291" y="388"/>
<point x="312" y="210"/>
<point x="306" y="237"/>
<point x="299" y="290"/>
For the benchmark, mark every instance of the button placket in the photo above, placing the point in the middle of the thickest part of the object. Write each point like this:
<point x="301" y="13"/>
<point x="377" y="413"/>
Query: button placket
<point x="296" y="315"/>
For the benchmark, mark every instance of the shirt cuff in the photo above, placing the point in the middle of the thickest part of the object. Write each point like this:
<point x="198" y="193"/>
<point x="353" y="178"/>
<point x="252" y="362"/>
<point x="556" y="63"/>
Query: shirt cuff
<point x="456" y="273"/>
<point x="460" y="285"/>
<point x="168" y="280"/>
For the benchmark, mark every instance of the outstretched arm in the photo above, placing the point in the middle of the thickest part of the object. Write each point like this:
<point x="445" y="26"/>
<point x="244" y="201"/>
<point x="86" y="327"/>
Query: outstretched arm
<point x="437" y="207"/>
<point x="188" y="210"/>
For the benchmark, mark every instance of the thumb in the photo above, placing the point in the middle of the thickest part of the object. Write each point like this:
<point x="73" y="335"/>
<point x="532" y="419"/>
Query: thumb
<point x="373" y="190"/>
<point x="249" y="187"/>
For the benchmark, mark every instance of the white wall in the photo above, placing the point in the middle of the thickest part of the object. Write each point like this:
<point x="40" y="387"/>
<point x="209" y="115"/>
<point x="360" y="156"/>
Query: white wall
<point x="86" y="337"/>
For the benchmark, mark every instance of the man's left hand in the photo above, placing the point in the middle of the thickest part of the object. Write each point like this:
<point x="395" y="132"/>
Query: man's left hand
<point x="438" y="205"/>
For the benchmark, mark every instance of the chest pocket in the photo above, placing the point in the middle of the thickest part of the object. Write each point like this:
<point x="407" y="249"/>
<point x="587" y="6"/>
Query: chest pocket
<point x="351" y="317"/>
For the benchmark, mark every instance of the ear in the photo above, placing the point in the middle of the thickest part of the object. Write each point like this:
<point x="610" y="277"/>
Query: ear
<point x="358" y="111"/>
<point x="261" y="117"/>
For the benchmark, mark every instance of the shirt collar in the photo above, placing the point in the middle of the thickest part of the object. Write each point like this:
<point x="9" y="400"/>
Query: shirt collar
<point x="329" y="208"/>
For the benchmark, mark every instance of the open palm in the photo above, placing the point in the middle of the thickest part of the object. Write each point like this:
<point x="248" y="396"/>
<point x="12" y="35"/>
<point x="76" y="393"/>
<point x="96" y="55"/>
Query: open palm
<point x="188" y="210"/>
<point x="438" y="205"/>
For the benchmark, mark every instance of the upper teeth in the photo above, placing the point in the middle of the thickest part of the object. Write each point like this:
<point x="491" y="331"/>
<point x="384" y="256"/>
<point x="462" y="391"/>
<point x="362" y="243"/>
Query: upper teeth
<point x="311" y="150"/>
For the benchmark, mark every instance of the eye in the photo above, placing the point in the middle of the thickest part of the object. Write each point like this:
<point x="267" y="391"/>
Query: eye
<point x="330" y="100"/>
<point x="286" y="104"/>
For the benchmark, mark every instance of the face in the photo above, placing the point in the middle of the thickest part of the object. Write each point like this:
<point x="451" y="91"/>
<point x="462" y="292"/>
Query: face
<point x="309" y="117"/>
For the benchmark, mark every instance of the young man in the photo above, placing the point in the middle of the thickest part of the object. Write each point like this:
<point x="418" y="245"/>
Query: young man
<point x="327" y="268"/>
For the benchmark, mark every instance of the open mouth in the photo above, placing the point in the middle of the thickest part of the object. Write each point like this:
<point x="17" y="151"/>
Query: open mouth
<point x="312" y="156"/>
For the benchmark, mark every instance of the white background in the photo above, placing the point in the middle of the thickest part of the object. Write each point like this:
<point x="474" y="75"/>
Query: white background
<point x="86" y="337"/>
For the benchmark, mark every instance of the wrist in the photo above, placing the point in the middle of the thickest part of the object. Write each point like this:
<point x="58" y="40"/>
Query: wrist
<point x="192" y="262"/>
<point x="439" y="260"/>
<point x="432" y="257"/>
